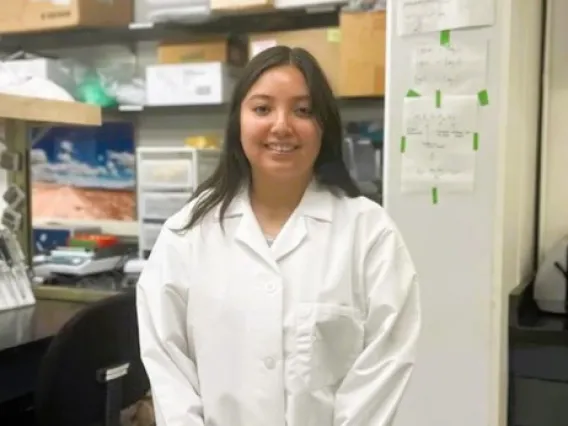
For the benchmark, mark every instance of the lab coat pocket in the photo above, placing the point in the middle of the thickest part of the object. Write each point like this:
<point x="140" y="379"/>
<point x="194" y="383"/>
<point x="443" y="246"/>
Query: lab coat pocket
<point x="328" y="340"/>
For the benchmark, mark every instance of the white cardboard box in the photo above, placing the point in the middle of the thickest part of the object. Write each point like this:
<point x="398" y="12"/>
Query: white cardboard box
<point x="207" y="83"/>
<point x="48" y="69"/>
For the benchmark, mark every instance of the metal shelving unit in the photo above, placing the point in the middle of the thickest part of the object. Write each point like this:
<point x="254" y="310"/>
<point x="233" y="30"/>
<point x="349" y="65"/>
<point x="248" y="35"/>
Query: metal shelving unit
<point x="16" y="115"/>
<point x="213" y="24"/>
<point x="368" y="102"/>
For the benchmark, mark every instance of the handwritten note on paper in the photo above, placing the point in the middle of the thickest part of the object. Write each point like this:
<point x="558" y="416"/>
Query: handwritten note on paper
<point x="439" y="144"/>
<point x="458" y="69"/>
<point x="423" y="16"/>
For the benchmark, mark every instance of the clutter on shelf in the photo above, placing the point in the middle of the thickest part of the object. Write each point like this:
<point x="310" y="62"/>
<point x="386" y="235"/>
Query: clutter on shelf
<point x="90" y="260"/>
<point x="15" y="233"/>
<point x="66" y="79"/>
<point x="202" y="72"/>
<point x="28" y="15"/>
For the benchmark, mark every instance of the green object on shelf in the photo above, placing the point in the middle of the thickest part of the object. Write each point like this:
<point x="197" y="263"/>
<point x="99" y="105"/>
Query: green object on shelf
<point x="91" y="91"/>
<point x="87" y="244"/>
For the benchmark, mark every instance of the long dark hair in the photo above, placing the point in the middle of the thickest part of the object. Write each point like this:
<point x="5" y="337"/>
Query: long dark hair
<point x="233" y="169"/>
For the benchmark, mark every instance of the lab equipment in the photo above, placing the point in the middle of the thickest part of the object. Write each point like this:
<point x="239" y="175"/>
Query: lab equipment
<point x="10" y="161"/>
<point x="132" y="270"/>
<point x="11" y="219"/>
<point x="88" y="260"/>
<point x="14" y="196"/>
<point x="551" y="281"/>
<point x="15" y="284"/>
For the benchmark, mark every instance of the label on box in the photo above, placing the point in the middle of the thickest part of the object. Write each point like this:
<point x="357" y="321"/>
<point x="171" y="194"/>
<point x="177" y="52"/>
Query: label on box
<point x="258" y="46"/>
<point x="61" y="2"/>
<point x="334" y="35"/>
<point x="198" y="82"/>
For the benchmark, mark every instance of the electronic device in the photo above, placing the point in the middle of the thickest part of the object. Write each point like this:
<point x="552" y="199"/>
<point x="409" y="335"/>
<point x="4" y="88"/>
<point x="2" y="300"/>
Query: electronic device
<point x="132" y="270"/>
<point x="86" y="259"/>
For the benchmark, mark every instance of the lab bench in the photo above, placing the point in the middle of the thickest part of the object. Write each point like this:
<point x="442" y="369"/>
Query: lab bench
<point x="538" y="363"/>
<point x="25" y="335"/>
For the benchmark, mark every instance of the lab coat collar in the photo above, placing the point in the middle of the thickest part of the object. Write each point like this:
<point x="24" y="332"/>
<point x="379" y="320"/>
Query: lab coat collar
<point x="316" y="203"/>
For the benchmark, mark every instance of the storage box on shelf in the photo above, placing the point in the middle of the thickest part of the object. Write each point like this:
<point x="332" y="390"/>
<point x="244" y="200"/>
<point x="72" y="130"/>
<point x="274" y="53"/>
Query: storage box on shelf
<point x="322" y="43"/>
<point x="288" y="4"/>
<point x="167" y="176"/>
<point x="229" y="50"/>
<point x="241" y="5"/>
<point x="171" y="10"/>
<point x="37" y="15"/>
<point x="86" y="33"/>
<point x="45" y="68"/>
<point x="362" y="53"/>
<point x="208" y="83"/>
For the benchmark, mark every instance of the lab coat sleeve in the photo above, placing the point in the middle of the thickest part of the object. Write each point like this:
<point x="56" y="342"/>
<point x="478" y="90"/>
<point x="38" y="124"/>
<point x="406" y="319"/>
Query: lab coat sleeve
<point x="372" y="389"/>
<point x="165" y="337"/>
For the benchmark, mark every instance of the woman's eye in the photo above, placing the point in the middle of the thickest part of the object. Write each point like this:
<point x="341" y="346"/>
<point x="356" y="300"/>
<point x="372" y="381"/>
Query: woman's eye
<point x="261" y="110"/>
<point x="304" y="111"/>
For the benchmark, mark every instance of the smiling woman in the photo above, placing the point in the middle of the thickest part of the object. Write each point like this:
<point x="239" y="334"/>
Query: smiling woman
<point x="283" y="101"/>
<point x="280" y="136"/>
<point x="279" y="296"/>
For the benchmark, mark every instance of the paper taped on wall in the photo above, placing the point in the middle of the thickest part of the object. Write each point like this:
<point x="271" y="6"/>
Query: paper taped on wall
<point x="439" y="144"/>
<point x="459" y="69"/>
<point x="423" y="16"/>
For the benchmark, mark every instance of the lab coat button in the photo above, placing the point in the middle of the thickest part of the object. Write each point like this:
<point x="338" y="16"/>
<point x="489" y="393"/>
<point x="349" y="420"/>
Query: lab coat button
<point x="271" y="287"/>
<point x="269" y="363"/>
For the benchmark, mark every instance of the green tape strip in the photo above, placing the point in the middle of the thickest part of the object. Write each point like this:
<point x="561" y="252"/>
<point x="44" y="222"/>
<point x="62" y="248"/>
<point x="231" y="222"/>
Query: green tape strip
<point x="412" y="94"/>
<point x="403" y="144"/>
<point x="483" y="98"/>
<point x="475" y="141"/>
<point x="445" y="38"/>
<point x="438" y="99"/>
<point x="434" y="195"/>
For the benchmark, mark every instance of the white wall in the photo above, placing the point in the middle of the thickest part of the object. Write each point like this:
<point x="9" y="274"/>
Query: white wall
<point x="554" y="180"/>
<point x="471" y="249"/>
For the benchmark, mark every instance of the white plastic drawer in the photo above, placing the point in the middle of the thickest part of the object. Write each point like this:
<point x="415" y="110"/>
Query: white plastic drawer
<point x="161" y="205"/>
<point x="174" y="174"/>
<point x="207" y="164"/>
<point x="148" y="235"/>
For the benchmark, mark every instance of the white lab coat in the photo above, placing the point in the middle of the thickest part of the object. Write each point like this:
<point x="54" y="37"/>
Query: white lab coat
<point x="319" y="329"/>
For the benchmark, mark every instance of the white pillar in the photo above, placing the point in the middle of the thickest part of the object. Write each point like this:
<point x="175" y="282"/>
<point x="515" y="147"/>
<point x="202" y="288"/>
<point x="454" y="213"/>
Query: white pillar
<point x="471" y="248"/>
<point x="554" y="203"/>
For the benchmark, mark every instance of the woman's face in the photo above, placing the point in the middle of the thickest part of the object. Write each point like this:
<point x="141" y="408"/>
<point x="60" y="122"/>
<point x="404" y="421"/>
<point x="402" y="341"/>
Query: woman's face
<point x="279" y="134"/>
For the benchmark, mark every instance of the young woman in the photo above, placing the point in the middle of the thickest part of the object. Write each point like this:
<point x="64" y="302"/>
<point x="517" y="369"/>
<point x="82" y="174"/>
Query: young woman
<point x="279" y="296"/>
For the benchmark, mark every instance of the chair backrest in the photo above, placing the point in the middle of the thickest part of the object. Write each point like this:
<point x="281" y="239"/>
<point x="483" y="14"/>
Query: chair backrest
<point x="105" y="334"/>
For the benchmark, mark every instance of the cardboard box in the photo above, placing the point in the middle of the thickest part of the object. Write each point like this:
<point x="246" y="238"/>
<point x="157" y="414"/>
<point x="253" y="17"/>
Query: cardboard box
<point x="233" y="50"/>
<point x="244" y="5"/>
<point x="322" y="43"/>
<point x="48" y="69"/>
<point x="37" y="15"/>
<point x="363" y="54"/>
<point x="207" y="83"/>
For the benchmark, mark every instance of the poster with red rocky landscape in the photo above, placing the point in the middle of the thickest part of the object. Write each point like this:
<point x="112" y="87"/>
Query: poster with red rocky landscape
<point x="84" y="173"/>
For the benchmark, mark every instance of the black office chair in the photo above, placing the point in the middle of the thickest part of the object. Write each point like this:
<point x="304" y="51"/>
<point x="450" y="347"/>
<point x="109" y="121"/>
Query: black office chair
<point x="92" y="369"/>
